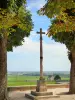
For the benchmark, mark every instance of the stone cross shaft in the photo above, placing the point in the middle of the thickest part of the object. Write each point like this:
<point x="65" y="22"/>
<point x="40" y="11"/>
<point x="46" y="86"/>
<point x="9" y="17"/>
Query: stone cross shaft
<point x="41" y="54"/>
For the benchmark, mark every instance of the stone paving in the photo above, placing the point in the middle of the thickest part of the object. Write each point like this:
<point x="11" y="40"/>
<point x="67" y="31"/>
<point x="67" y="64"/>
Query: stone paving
<point x="20" y="95"/>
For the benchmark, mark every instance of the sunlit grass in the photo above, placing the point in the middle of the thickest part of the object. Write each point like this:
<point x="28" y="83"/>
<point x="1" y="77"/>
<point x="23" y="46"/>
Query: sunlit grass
<point x="22" y="80"/>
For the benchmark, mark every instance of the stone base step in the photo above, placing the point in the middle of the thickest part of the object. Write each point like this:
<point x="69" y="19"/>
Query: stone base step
<point x="32" y="97"/>
<point x="41" y="93"/>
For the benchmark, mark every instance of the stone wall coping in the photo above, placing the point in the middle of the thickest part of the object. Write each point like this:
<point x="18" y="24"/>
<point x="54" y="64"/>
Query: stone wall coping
<point x="31" y="87"/>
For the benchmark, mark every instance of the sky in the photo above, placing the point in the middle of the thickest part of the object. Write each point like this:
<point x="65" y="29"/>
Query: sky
<point x="27" y="56"/>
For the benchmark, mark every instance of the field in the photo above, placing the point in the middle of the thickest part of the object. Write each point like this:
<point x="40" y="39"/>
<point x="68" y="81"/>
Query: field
<point x="22" y="80"/>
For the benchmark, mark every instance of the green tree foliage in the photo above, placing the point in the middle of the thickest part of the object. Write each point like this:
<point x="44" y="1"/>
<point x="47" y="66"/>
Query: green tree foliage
<point x="62" y="29"/>
<point x="57" y="77"/>
<point x="63" y="22"/>
<point x="15" y="24"/>
<point x="63" y="11"/>
<point x="16" y="20"/>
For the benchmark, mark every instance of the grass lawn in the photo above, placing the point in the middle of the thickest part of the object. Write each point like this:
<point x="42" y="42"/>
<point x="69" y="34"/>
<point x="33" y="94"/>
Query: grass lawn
<point x="66" y="79"/>
<point x="25" y="83"/>
<point x="21" y="80"/>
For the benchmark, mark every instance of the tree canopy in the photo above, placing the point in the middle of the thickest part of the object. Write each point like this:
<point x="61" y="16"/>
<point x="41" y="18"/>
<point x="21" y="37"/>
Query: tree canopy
<point x="62" y="13"/>
<point x="62" y="29"/>
<point x="57" y="77"/>
<point x="16" y="20"/>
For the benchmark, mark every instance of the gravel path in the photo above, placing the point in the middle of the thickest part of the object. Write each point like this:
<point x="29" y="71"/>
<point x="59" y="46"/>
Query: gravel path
<point x="20" y="95"/>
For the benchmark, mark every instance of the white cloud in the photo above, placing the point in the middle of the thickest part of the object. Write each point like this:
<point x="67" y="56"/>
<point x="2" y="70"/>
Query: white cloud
<point x="26" y="57"/>
<point x="28" y="45"/>
<point x="31" y="46"/>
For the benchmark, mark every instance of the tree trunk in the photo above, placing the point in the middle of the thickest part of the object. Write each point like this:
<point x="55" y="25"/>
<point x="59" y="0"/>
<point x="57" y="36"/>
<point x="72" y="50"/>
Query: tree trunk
<point x="3" y="68"/>
<point x="72" y="75"/>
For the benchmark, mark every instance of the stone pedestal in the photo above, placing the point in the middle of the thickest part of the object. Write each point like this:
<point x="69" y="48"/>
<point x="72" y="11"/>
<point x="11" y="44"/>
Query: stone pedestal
<point x="41" y="85"/>
<point x="40" y="95"/>
<point x="41" y="92"/>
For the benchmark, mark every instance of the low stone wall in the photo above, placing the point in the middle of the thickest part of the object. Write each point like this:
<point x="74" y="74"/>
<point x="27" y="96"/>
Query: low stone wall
<point x="24" y="88"/>
<point x="58" y="86"/>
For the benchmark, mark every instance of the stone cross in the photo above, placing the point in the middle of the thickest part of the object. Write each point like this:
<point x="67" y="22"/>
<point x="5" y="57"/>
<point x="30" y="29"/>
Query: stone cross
<point x="41" y="54"/>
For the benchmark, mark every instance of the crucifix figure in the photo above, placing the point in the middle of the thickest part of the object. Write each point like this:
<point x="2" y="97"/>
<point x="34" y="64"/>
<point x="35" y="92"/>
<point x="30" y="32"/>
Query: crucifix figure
<point x="41" y="54"/>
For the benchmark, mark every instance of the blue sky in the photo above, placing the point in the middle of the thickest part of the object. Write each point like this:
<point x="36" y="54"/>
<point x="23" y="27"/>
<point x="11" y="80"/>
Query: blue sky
<point x="26" y="57"/>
